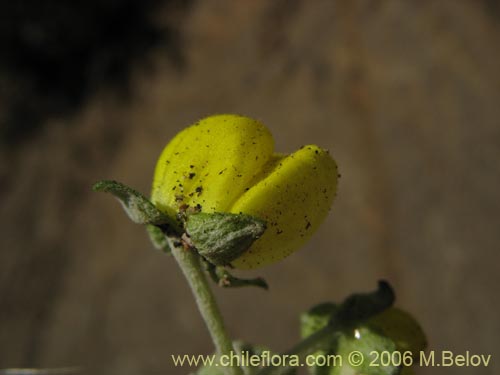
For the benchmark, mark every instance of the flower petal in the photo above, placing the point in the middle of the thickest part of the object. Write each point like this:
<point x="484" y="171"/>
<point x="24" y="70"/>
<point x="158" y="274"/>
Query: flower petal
<point x="211" y="163"/>
<point x="293" y="198"/>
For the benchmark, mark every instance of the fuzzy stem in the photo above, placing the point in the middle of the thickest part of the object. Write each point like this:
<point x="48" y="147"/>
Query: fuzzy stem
<point x="190" y="265"/>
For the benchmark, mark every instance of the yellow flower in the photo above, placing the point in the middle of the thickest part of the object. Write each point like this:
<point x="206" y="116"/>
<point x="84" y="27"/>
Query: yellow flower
<point x="226" y="163"/>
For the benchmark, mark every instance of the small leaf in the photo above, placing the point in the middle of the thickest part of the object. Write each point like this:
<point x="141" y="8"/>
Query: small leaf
<point x="137" y="206"/>
<point x="157" y="237"/>
<point x="222" y="237"/>
<point x="224" y="279"/>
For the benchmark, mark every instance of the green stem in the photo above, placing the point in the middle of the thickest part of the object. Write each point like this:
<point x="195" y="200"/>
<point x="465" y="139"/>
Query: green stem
<point x="305" y="347"/>
<point x="190" y="265"/>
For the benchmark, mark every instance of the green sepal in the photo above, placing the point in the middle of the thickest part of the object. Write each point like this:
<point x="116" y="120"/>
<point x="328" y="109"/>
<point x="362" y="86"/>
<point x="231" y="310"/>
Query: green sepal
<point x="223" y="237"/>
<point x="223" y="278"/>
<point x="137" y="206"/>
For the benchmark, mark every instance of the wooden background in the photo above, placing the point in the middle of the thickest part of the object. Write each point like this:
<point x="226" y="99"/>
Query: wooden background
<point x="405" y="94"/>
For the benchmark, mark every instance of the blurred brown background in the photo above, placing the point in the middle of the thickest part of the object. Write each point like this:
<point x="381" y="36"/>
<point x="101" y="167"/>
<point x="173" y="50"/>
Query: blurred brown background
<point x="405" y="94"/>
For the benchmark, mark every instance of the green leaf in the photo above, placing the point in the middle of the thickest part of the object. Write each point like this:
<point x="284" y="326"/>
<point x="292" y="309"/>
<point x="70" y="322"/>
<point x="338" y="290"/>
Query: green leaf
<point x="137" y="206"/>
<point x="158" y="238"/>
<point x="222" y="237"/>
<point x="223" y="278"/>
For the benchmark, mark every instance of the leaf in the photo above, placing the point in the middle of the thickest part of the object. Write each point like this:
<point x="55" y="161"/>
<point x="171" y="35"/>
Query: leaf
<point x="137" y="206"/>
<point x="224" y="279"/>
<point x="157" y="237"/>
